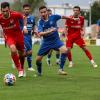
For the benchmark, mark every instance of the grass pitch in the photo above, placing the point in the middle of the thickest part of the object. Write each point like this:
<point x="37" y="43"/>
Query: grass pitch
<point x="81" y="83"/>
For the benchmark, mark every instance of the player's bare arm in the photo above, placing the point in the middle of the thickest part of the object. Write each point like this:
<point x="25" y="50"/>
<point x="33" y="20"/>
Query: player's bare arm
<point x="66" y="31"/>
<point x="35" y="32"/>
<point x="47" y="32"/>
<point x="65" y="17"/>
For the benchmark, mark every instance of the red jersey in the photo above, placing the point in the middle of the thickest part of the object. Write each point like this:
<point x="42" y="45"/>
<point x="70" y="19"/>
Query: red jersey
<point x="11" y="26"/>
<point x="71" y="23"/>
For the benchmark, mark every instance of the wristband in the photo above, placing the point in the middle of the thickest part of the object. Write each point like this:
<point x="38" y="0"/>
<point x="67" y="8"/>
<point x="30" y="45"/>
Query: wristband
<point x="25" y="27"/>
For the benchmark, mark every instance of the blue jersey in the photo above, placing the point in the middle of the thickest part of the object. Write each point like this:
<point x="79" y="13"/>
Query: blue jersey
<point x="28" y="37"/>
<point x="52" y="40"/>
<point x="30" y="24"/>
<point x="46" y="25"/>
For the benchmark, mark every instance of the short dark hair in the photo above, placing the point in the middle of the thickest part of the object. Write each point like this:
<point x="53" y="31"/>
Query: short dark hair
<point x="26" y="5"/>
<point x="5" y="4"/>
<point x="49" y="10"/>
<point x="77" y="7"/>
<point x="42" y="7"/>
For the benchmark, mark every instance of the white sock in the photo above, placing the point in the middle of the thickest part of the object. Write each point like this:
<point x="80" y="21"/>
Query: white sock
<point x="92" y="61"/>
<point x="70" y="62"/>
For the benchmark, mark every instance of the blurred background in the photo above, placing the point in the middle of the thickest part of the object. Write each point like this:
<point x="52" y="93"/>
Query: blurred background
<point x="90" y="9"/>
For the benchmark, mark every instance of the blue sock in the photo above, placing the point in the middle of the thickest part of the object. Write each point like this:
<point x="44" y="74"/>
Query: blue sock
<point x="57" y="56"/>
<point x="29" y="60"/>
<point x="39" y="67"/>
<point x="62" y="60"/>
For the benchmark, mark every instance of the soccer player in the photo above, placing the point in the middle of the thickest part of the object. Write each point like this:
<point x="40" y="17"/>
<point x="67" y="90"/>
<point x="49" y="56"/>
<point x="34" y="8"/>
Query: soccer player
<point x="75" y="31"/>
<point x="47" y="27"/>
<point x="28" y="36"/>
<point x="9" y="20"/>
<point x="50" y="52"/>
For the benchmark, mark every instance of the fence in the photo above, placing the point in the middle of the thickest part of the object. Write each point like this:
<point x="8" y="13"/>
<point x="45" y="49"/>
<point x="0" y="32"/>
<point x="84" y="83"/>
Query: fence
<point x="37" y="40"/>
<point x="2" y="41"/>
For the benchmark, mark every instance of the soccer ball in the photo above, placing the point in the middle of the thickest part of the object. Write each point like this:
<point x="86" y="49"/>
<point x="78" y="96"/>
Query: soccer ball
<point x="9" y="79"/>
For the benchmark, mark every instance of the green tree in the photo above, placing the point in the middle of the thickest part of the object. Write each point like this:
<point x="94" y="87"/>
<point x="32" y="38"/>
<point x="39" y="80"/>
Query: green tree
<point x="86" y="15"/>
<point x="95" y="9"/>
<point x="16" y="5"/>
<point x="95" y="13"/>
<point x="34" y="4"/>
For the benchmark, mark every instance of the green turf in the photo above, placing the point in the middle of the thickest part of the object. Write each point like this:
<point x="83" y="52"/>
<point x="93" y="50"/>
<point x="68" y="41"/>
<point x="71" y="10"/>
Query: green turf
<point x="81" y="83"/>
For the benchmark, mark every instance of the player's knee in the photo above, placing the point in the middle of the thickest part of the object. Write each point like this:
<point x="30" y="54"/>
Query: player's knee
<point x="84" y="48"/>
<point x="38" y="59"/>
<point x="67" y="50"/>
<point x="13" y="49"/>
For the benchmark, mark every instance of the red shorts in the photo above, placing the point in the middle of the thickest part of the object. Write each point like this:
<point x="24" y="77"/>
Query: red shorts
<point x="77" y="40"/>
<point x="18" y="41"/>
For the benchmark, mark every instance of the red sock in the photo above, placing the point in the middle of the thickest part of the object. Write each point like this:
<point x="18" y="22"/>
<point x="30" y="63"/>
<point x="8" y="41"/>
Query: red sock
<point x="69" y="56"/>
<point x="88" y="54"/>
<point x="17" y="63"/>
<point x="22" y="59"/>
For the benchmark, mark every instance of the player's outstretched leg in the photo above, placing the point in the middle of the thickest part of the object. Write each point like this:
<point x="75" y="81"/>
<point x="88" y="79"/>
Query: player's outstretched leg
<point x="22" y="60"/>
<point x="57" y="57"/>
<point x="48" y="58"/>
<point x="88" y="54"/>
<point x="39" y="65"/>
<point x="29" y="60"/>
<point x="70" y="59"/>
<point x="16" y="60"/>
<point x="64" y="52"/>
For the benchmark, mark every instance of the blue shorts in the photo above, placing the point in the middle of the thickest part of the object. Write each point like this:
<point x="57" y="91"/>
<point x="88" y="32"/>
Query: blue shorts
<point x="28" y="43"/>
<point x="46" y="47"/>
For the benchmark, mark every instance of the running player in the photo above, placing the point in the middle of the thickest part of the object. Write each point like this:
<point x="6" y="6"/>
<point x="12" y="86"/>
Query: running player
<point x="9" y="20"/>
<point x="47" y="27"/>
<point x="75" y="31"/>
<point x="28" y="36"/>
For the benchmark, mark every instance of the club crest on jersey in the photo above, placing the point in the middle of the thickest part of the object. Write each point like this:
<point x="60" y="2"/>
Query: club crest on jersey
<point x="79" y="22"/>
<point x="31" y="20"/>
<point x="51" y="22"/>
<point x="11" y="21"/>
